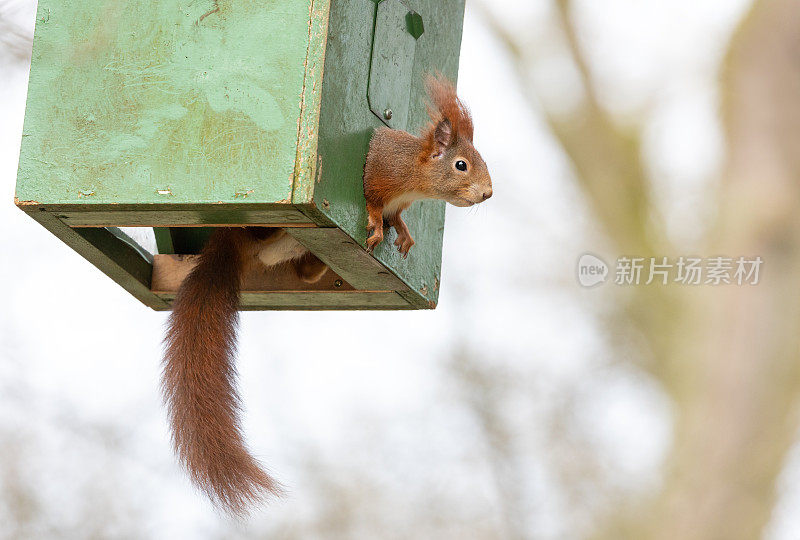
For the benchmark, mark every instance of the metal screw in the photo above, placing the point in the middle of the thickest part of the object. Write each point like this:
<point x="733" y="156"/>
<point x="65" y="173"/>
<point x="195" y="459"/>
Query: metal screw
<point x="388" y="114"/>
<point x="337" y="283"/>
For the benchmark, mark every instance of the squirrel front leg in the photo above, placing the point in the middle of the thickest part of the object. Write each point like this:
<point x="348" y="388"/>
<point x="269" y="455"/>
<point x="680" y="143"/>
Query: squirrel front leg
<point x="404" y="241"/>
<point x="374" y="225"/>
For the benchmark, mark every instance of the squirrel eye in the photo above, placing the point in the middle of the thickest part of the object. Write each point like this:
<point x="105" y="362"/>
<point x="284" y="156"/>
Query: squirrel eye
<point x="461" y="165"/>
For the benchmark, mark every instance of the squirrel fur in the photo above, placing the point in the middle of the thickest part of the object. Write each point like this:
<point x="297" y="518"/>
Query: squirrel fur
<point x="199" y="376"/>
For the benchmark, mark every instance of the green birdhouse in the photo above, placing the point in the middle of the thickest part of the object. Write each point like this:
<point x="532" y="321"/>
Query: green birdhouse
<point x="185" y="115"/>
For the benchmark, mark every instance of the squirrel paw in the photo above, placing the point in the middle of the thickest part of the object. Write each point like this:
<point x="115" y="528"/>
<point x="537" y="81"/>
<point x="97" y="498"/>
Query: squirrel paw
<point x="374" y="240"/>
<point x="404" y="243"/>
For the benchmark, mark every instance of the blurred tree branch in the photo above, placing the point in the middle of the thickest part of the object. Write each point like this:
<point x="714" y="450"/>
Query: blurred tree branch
<point x="14" y="41"/>
<point x="608" y="167"/>
<point x="606" y="158"/>
<point x="483" y="389"/>
<point x="739" y="416"/>
<point x="729" y="356"/>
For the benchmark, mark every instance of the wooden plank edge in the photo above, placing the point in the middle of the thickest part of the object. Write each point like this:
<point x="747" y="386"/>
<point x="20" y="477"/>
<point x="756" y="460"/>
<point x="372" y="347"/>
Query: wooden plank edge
<point x="305" y="172"/>
<point x="110" y="253"/>
<point x="325" y="301"/>
<point x="208" y="225"/>
<point x="342" y="254"/>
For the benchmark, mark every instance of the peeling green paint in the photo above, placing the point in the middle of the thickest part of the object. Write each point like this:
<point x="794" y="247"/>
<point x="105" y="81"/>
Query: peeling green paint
<point x="308" y="128"/>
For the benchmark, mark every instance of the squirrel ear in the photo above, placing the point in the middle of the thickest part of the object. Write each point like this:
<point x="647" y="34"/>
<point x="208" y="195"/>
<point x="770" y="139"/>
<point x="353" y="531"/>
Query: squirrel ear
<point x="442" y="136"/>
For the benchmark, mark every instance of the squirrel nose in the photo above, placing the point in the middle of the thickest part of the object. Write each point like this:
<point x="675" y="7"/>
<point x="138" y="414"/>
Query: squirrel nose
<point x="487" y="194"/>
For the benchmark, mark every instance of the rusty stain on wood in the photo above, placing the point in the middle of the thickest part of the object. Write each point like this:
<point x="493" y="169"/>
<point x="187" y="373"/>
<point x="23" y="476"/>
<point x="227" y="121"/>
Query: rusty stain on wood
<point x="22" y="204"/>
<point x="211" y="12"/>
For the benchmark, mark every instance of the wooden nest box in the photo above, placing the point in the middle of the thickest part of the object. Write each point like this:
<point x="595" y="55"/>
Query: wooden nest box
<point x="187" y="115"/>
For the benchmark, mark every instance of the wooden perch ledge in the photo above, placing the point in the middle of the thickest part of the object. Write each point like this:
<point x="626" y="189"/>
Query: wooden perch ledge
<point x="277" y="288"/>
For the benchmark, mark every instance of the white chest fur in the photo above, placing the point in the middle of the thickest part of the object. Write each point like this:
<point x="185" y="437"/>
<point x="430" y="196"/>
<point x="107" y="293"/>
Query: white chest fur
<point x="281" y="250"/>
<point x="398" y="202"/>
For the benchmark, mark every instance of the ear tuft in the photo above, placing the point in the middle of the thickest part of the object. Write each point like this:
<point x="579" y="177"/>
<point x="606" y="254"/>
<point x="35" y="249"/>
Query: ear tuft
<point x="445" y="103"/>
<point x="450" y="118"/>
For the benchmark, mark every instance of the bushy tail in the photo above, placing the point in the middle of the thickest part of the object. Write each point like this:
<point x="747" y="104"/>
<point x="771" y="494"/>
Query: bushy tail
<point x="199" y="378"/>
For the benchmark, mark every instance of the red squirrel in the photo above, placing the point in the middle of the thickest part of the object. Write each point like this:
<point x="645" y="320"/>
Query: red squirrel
<point x="198" y="382"/>
<point x="440" y="164"/>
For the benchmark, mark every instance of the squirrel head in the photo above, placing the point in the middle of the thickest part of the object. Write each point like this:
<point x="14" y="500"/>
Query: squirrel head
<point x="459" y="174"/>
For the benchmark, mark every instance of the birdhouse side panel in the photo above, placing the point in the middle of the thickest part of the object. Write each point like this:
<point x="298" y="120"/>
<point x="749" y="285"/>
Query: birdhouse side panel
<point x="348" y="119"/>
<point x="171" y="102"/>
